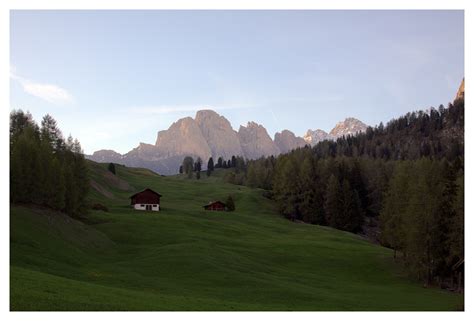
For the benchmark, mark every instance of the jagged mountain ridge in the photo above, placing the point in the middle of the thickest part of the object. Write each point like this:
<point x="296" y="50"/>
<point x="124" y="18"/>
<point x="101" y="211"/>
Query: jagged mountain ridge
<point x="286" y="141"/>
<point x="210" y="134"/>
<point x="350" y="126"/>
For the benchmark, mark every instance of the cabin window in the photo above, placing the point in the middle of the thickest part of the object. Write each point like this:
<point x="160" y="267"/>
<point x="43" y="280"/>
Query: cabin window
<point x="142" y="205"/>
<point x="155" y="205"/>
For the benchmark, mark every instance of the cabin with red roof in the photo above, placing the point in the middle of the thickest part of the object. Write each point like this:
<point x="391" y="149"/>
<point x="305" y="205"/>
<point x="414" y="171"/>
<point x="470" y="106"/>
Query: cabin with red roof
<point x="215" y="206"/>
<point x="146" y="200"/>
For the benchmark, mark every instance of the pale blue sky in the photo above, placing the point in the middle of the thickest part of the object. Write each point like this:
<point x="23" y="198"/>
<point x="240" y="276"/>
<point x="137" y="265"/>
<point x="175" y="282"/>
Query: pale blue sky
<point x="115" y="78"/>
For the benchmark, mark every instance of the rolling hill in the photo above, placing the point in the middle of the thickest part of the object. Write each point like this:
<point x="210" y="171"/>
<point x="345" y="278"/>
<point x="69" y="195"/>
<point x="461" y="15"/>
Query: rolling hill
<point x="185" y="258"/>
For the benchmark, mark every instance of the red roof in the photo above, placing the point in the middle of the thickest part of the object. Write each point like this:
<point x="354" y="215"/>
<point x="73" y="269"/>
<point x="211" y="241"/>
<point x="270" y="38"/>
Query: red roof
<point x="146" y="189"/>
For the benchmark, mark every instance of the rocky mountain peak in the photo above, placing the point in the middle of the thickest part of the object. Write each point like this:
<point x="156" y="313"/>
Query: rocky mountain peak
<point x="218" y="132"/>
<point x="255" y="141"/>
<point x="107" y="156"/>
<point x="313" y="137"/>
<point x="183" y="137"/>
<point x="460" y="93"/>
<point x="350" y="126"/>
<point x="287" y="141"/>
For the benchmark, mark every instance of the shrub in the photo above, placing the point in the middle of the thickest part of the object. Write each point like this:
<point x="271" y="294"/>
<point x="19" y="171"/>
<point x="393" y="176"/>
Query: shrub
<point x="100" y="207"/>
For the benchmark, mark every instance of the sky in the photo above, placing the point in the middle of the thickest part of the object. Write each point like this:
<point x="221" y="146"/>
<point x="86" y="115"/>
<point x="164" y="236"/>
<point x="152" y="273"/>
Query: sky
<point x="114" y="79"/>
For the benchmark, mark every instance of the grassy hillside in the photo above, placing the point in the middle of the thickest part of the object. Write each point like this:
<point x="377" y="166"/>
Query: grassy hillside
<point x="185" y="258"/>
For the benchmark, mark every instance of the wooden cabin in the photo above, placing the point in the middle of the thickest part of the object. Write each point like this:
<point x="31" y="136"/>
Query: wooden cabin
<point x="146" y="200"/>
<point x="215" y="206"/>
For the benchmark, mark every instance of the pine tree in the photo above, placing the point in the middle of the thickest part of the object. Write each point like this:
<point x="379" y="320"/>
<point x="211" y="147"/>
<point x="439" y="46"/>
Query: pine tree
<point x="219" y="162"/>
<point x="71" y="201"/>
<point x="18" y="122"/>
<point x="286" y="188"/>
<point x="57" y="200"/>
<point x="111" y="168"/>
<point x="230" y="204"/>
<point x="198" y="164"/>
<point x="51" y="134"/>
<point x="394" y="212"/>
<point x="350" y="216"/>
<point x="210" y="166"/>
<point x="251" y="175"/>
<point x="308" y="203"/>
<point x="81" y="179"/>
<point x="188" y="166"/>
<point x="332" y="204"/>
<point x="456" y="230"/>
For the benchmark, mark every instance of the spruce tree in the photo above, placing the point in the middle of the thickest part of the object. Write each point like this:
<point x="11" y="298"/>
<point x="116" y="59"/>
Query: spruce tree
<point x="50" y="133"/>
<point x="111" y="168"/>
<point x="307" y="206"/>
<point x="394" y="212"/>
<point x="57" y="200"/>
<point x="188" y="166"/>
<point x="332" y="204"/>
<point x="230" y="204"/>
<point x="210" y="166"/>
<point x="219" y="162"/>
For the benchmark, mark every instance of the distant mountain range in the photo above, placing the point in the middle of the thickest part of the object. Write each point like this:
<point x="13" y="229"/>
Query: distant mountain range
<point x="210" y="134"/>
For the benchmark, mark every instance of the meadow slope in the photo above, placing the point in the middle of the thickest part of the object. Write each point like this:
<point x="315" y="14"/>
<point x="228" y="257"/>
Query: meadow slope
<point x="185" y="258"/>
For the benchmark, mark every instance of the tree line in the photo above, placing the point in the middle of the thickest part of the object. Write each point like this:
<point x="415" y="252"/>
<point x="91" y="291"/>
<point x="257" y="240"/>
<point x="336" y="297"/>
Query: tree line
<point x="405" y="179"/>
<point x="191" y="167"/>
<point x="45" y="168"/>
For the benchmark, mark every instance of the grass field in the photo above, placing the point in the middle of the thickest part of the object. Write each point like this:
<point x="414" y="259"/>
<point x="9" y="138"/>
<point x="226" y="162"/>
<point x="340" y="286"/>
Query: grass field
<point x="185" y="258"/>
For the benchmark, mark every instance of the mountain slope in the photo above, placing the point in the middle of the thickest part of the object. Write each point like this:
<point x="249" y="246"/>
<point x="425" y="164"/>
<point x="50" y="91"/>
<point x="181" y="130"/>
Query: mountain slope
<point x="185" y="258"/>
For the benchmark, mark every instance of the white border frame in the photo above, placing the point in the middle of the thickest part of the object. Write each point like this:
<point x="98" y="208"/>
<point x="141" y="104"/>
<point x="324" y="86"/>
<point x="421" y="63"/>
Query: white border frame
<point x="7" y="5"/>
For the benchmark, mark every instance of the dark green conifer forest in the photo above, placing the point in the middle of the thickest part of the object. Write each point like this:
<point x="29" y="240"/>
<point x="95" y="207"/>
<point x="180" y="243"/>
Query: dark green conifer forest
<point x="400" y="184"/>
<point x="46" y="169"/>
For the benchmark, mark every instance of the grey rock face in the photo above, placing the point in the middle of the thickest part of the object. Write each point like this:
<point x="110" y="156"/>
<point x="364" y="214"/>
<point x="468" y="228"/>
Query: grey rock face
<point x="313" y="137"/>
<point x="350" y="126"/>
<point x="105" y="156"/>
<point x="256" y="142"/>
<point x="184" y="137"/>
<point x="287" y="141"/>
<point x="219" y="135"/>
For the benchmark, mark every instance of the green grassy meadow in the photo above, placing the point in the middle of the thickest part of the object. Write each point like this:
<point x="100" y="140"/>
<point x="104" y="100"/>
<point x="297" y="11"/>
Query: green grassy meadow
<point x="185" y="258"/>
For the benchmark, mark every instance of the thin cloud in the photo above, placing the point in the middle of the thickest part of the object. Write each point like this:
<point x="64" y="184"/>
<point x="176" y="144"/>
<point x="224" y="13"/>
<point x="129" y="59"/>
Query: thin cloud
<point x="48" y="92"/>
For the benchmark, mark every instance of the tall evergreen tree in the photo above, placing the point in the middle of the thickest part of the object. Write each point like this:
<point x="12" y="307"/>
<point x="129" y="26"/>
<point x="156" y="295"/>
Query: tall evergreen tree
<point x="332" y="204"/>
<point x="111" y="168"/>
<point x="219" y="162"/>
<point x="51" y="134"/>
<point x="210" y="166"/>
<point x="188" y="166"/>
<point x="230" y="204"/>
